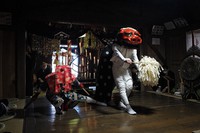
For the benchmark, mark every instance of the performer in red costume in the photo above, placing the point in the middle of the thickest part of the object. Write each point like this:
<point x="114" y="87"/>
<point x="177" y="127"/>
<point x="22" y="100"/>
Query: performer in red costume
<point x="124" y="55"/>
<point x="60" y="89"/>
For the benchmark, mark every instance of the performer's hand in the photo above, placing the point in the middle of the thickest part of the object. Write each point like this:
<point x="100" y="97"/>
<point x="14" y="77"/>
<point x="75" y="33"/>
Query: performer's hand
<point x="129" y="61"/>
<point x="41" y="81"/>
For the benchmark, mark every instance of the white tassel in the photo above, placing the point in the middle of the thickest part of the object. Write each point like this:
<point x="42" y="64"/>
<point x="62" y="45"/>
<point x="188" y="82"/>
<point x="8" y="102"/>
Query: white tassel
<point x="149" y="71"/>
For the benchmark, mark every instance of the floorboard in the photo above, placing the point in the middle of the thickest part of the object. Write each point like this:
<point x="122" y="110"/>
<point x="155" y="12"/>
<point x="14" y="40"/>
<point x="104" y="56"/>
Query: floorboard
<point x="155" y="114"/>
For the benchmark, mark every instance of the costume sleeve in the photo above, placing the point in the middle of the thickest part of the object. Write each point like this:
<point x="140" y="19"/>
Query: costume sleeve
<point x="135" y="57"/>
<point x="118" y="53"/>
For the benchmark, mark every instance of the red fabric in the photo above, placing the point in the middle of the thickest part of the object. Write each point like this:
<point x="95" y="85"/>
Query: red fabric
<point x="51" y="80"/>
<point x="62" y="75"/>
<point x="81" y="85"/>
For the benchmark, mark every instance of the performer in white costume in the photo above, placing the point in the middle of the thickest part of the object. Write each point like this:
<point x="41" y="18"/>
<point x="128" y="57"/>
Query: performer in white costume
<point x="124" y="55"/>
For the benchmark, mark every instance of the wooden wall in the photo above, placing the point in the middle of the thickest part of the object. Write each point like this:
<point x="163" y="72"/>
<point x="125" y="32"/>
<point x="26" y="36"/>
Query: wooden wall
<point x="170" y="52"/>
<point x="7" y="64"/>
<point x="1" y="69"/>
<point x="175" y="50"/>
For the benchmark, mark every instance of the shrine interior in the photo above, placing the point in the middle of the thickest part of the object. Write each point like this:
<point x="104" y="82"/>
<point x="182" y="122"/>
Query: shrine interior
<point x="79" y="34"/>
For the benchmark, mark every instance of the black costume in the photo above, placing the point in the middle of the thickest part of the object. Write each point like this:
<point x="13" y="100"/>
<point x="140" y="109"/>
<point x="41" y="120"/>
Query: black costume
<point x="104" y="79"/>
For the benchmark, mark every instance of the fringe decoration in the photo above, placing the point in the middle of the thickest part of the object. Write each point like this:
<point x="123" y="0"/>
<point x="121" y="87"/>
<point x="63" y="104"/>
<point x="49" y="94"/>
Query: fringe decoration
<point x="149" y="71"/>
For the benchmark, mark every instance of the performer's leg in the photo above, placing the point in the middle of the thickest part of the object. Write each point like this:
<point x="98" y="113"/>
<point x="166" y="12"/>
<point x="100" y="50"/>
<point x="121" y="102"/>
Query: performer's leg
<point x="121" y="76"/>
<point x="129" y="87"/>
<point x="125" y="89"/>
<point x="55" y="100"/>
<point x="123" y="82"/>
<point x="58" y="101"/>
<point x="122" y="92"/>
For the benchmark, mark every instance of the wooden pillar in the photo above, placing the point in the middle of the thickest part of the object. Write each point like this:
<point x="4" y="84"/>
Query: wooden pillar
<point x="21" y="56"/>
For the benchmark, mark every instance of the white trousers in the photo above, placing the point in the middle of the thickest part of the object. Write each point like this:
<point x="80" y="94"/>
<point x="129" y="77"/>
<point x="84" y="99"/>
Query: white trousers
<point x="124" y="82"/>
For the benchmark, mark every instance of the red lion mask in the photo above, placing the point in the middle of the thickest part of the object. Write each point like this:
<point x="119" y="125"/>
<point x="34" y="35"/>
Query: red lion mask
<point x="130" y="36"/>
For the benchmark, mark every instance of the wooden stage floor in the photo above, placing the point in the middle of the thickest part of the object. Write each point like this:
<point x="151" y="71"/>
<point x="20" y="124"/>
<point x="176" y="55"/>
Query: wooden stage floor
<point x="156" y="114"/>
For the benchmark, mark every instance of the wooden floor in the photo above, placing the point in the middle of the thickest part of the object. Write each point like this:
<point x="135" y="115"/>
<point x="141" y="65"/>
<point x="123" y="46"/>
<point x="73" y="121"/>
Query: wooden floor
<point x="156" y="114"/>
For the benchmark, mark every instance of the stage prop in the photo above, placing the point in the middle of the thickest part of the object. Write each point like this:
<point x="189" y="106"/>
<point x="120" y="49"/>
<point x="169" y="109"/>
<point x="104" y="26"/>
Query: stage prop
<point x="149" y="71"/>
<point x="190" y="75"/>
